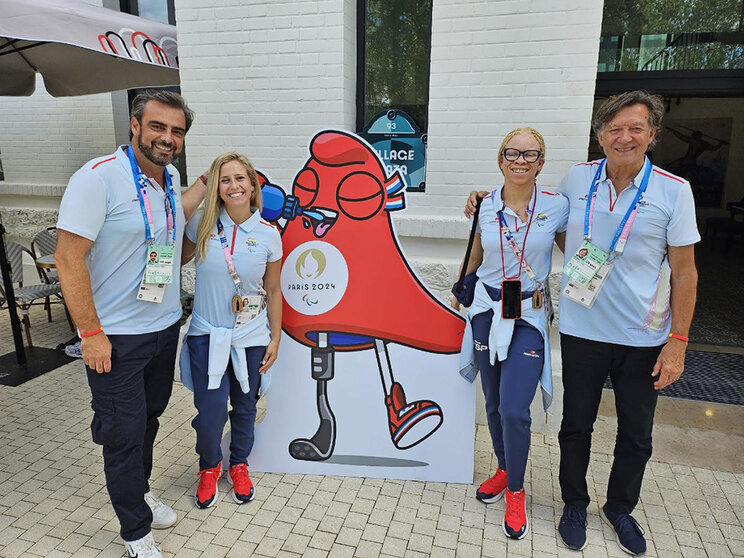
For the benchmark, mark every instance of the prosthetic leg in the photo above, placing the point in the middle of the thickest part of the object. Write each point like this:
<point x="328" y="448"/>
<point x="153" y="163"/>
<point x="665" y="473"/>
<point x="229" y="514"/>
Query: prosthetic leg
<point x="320" y="446"/>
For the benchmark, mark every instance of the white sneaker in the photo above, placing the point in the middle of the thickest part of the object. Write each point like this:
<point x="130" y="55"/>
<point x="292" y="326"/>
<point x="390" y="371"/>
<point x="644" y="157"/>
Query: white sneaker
<point x="163" y="515"/>
<point x="143" y="548"/>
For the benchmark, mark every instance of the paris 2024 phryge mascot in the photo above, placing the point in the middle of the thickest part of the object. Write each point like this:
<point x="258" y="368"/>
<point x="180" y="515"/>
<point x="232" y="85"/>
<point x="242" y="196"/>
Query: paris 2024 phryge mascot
<point x="348" y="287"/>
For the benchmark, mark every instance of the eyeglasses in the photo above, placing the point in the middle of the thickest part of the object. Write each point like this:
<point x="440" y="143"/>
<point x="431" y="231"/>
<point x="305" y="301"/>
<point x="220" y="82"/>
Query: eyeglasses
<point x="529" y="156"/>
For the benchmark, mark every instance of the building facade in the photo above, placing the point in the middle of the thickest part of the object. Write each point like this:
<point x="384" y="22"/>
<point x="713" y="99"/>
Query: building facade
<point x="264" y="76"/>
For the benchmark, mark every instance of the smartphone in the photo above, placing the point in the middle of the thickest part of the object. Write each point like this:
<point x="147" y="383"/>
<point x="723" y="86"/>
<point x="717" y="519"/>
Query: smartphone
<point x="511" y="299"/>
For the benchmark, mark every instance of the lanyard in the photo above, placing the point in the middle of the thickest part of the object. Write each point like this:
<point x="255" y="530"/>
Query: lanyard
<point x="623" y="230"/>
<point x="519" y="254"/>
<point x="140" y="183"/>
<point x="228" y="255"/>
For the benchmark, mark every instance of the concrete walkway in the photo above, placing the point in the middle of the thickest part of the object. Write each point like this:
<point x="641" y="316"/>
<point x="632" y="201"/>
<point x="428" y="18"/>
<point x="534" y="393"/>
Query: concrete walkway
<point x="53" y="501"/>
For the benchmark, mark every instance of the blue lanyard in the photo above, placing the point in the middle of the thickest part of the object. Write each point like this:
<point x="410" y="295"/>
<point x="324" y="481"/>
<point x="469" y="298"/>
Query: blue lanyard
<point x="591" y="198"/>
<point x="140" y="184"/>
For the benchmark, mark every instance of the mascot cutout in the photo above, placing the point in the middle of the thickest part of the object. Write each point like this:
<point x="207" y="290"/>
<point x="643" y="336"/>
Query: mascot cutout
<point x="351" y="297"/>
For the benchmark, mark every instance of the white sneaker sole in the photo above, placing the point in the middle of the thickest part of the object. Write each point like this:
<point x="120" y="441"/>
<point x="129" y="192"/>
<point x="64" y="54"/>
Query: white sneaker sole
<point x="212" y="503"/>
<point x="238" y="501"/>
<point x="586" y="542"/>
<point x="492" y="499"/>
<point x="234" y="497"/>
<point x="163" y="525"/>
<point x="523" y="535"/>
<point x="617" y="537"/>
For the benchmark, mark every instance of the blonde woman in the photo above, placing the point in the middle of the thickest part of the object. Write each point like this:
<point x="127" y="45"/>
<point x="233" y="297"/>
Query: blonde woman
<point x="236" y="324"/>
<point x="507" y="334"/>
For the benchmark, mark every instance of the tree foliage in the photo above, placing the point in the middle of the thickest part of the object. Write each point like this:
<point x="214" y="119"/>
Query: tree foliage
<point x="672" y="35"/>
<point x="398" y="42"/>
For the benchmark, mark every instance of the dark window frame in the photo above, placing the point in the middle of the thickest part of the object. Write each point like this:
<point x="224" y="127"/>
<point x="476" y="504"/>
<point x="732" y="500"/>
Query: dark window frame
<point x="361" y="17"/>
<point x="673" y="83"/>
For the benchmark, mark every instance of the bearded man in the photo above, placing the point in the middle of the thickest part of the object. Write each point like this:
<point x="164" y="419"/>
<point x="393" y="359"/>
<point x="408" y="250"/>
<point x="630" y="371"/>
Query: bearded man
<point x="116" y="212"/>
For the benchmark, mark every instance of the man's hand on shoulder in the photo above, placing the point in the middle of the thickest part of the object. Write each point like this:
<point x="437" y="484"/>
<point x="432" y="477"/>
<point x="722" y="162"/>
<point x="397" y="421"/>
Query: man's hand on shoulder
<point x="97" y="352"/>
<point x="473" y="201"/>
<point x="191" y="199"/>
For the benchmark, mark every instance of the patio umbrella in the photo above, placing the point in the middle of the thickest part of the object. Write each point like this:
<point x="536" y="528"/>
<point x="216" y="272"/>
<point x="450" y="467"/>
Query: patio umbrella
<point x="81" y="49"/>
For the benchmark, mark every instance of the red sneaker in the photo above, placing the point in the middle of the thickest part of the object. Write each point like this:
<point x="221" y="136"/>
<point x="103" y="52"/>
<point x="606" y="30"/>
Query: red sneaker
<point x="515" y="523"/>
<point x="492" y="489"/>
<point x="410" y="423"/>
<point x="207" y="492"/>
<point x="242" y="485"/>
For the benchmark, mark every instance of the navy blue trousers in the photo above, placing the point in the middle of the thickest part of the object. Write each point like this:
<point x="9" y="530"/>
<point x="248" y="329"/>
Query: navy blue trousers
<point x="126" y="404"/>
<point x="509" y="387"/>
<point x="211" y="405"/>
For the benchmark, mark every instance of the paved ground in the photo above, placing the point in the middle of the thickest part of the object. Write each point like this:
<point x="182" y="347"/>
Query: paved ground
<point x="53" y="501"/>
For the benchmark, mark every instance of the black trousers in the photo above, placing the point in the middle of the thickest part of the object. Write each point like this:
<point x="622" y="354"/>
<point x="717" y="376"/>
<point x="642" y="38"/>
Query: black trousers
<point x="127" y="403"/>
<point x="586" y="365"/>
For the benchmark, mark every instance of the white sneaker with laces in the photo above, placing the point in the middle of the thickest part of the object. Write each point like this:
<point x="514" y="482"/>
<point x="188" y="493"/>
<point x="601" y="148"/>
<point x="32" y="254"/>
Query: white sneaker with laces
<point x="143" y="548"/>
<point x="163" y="515"/>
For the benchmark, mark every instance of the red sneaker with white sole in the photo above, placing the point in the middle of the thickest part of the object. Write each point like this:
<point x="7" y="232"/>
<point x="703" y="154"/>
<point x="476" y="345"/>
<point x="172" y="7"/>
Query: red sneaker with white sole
<point x="410" y="423"/>
<point x="242" y="485"/>
<point x="491" y="490"/>
<point x="207" y="491"/>
<point x="515" y="522"/>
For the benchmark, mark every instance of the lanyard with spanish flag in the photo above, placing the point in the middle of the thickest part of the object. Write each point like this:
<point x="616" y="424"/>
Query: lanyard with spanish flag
<point x="227" y="252"/>
<point x="140" y="183"/>
<point x="518" y="253"/>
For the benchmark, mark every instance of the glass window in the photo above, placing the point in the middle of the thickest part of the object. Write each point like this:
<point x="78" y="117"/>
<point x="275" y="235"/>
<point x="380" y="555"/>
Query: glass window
<point x="658" y="35"/>
<point x="157" y="10"/>
<point x="393" y="49"/>
<point x="394" y="67"/>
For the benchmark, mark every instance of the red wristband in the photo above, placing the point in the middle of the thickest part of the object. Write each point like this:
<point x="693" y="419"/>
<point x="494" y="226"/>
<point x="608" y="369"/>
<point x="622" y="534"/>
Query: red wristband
<point x="680" y="337"/>
<point x="92" y="333"/>
<point x="203" y="178"/>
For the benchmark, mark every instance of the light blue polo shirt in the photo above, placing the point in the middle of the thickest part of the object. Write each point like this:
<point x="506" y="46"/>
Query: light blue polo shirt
<point x="101" y="204"/>
<point x="633" y="306"/>
<point x="551" y="216"/>
<point x="255" y="242"/>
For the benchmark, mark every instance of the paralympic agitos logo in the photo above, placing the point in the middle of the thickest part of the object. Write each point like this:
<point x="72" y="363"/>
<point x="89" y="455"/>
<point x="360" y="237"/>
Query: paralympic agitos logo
<point x="309" y="267"/>
<point x="314" y="278"/>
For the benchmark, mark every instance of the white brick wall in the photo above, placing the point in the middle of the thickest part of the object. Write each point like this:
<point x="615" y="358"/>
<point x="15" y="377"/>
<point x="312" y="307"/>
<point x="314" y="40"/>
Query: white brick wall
<point x="496" y="65"/>
<point x="263" y="76"/>
<point x="43" y="140"/>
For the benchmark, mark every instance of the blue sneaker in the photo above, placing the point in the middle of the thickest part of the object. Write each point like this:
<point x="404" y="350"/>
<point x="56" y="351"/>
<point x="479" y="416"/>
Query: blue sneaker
<point x="572" y="527"/>
<point x="628" y="532"/>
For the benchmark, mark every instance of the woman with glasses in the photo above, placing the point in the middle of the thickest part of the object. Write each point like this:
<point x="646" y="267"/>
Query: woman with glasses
<point x="236" y="324"/>
<point x="507" y="334"/>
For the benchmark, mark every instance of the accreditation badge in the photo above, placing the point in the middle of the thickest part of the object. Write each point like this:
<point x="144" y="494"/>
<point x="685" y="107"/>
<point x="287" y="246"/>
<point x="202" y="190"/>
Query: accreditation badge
<point x="587" y="294"/>
<point x="159" y="264"/>
<point x="585" y="263"/>
<point x="251" y="306"/>
<point x="151" y="293"/>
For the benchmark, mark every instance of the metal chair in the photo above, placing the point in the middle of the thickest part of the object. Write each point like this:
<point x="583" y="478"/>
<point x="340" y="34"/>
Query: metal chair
<point x="44" y="243"/>
<point x="25" y="296"/>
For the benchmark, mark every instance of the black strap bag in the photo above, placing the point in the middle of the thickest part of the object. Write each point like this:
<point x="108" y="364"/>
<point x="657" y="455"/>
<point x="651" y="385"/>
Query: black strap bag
<point x="464" y="288"/>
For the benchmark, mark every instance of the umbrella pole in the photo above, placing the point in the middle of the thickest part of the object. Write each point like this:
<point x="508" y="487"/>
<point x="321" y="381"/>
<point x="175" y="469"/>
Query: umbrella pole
<point x="15" y="323"/>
